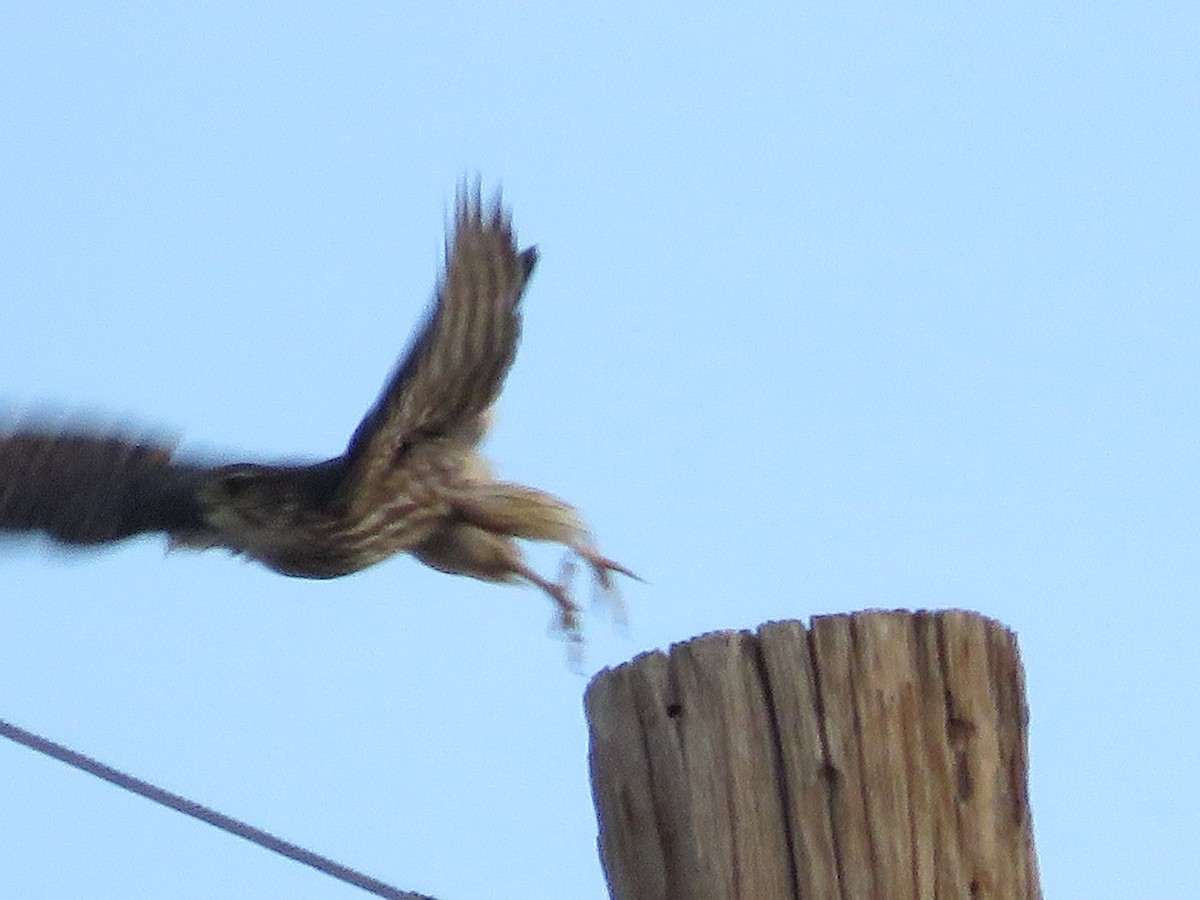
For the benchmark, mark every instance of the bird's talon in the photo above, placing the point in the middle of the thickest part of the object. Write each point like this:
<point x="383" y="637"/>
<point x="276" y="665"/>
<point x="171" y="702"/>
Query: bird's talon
<point x="603" y="567"/>
<point x="567" y="622"/>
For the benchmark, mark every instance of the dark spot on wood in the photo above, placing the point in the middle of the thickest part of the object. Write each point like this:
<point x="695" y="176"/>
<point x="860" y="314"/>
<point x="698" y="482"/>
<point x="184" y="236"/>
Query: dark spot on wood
<point x="964" y="783"/>
<point x="959" y="730"/>
<point x="674" y="710"/>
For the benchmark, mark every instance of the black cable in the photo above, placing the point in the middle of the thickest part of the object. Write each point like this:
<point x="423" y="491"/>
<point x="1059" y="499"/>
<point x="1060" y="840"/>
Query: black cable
<point x="204" y="814"/>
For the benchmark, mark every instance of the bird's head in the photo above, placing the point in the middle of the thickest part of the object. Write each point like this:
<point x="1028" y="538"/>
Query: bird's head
<point x="250" y="497"/>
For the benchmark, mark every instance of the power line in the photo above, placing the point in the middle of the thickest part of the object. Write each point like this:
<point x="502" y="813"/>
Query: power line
<point x="204" y="814"/>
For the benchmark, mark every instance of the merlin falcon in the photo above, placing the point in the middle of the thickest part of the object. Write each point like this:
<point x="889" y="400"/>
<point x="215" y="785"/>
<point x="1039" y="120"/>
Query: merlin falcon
<point x="410" y="480"/>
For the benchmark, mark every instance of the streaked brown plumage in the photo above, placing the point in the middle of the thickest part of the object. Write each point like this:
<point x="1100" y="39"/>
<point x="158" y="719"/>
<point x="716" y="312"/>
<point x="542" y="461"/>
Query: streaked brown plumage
<point x="410" y="480"/>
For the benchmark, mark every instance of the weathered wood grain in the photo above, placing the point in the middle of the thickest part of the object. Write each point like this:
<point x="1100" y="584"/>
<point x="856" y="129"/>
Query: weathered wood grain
<point x="874" y="755"/>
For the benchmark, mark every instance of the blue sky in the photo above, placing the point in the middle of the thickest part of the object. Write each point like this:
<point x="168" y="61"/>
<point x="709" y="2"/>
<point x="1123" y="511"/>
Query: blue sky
<point x="893" y="305"/>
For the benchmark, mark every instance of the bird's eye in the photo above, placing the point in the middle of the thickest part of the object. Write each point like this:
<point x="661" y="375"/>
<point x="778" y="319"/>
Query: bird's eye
<point x="236" y="483"/>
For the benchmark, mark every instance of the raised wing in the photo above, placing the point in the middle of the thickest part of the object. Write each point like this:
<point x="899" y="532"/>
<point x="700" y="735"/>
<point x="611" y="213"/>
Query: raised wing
<point x="82" y="488"/>
<point x="458" y="363"/>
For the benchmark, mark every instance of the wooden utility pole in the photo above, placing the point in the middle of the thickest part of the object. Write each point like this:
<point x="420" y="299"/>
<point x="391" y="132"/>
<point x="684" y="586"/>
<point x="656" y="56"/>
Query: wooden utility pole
<point x="874" y="756"/>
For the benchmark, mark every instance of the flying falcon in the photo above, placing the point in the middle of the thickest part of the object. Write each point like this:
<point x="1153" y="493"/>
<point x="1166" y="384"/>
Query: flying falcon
<point x="411" y="479"/>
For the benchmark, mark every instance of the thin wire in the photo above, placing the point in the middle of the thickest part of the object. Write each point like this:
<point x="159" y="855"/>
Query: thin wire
<point x="204" y="814"/>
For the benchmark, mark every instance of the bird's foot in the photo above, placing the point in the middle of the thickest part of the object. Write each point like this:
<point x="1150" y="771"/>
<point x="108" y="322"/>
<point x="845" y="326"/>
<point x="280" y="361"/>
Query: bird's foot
<point x="566" y="622"/>
<point x="602" y="568"/>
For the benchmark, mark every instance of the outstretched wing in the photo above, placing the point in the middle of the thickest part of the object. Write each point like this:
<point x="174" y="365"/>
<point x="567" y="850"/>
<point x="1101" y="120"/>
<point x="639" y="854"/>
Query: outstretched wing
<point x="82" y="488"/>
<point x="458" y="363"/>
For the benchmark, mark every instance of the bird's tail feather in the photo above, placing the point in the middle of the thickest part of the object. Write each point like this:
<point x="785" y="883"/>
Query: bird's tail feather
<point x="520" y="512"/>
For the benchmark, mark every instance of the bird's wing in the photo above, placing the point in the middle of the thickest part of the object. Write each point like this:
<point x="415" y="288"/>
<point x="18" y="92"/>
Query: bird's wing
<point x="457" y="365"/>
<point x="90" y="488"/>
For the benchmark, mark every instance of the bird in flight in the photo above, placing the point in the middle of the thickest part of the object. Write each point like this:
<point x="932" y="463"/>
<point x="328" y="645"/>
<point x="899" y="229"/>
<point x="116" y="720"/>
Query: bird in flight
<point x="411" y="479"/>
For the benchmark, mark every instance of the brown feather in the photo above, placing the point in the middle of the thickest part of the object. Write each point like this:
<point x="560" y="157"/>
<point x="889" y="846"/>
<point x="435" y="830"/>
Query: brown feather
<point x="459" y="360"/>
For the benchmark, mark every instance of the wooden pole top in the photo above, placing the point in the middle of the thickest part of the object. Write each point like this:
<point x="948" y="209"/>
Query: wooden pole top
<point x="871" y="755"/>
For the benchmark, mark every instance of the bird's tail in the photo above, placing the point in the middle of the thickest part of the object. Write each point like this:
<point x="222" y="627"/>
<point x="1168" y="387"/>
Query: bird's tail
<point x="520" y="512"/>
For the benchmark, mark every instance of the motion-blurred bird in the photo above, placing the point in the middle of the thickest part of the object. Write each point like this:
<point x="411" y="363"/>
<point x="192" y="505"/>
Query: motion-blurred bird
<point x="411" y="478"/>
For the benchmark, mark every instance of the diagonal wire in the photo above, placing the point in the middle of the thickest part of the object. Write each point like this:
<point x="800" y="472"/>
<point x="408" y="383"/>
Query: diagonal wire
<point x="204" y="814"/>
